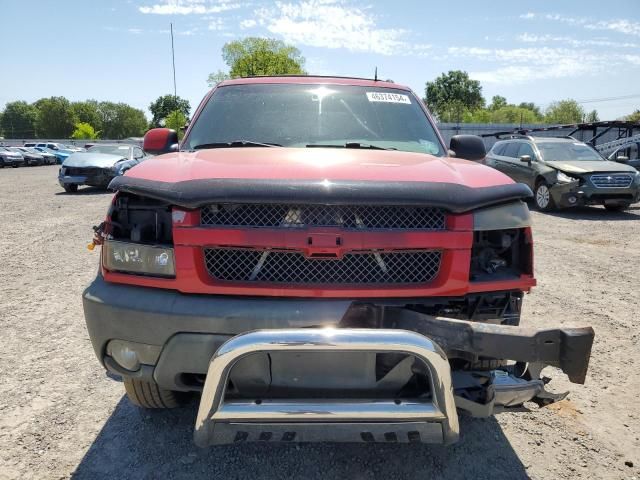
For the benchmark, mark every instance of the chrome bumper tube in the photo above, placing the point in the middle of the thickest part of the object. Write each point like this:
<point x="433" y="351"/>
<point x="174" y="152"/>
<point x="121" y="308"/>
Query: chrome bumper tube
<point x="223" y="421"/>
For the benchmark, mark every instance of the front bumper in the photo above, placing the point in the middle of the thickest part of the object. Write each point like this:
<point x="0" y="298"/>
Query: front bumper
<point x="572" y="195"/>
<point x="99" y="180"/>
<point x="185" y="330"/>
<point x="174" y="336"/>
<point x="12" y="162"/>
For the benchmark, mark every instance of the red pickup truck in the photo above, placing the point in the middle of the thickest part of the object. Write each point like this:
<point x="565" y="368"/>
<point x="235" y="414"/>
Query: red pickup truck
<point x="315" y="262"/>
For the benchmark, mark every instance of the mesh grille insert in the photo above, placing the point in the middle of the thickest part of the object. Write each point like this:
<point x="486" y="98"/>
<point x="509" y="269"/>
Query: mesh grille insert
<point x="361" y="268"/>
<point x="345" y="216"/>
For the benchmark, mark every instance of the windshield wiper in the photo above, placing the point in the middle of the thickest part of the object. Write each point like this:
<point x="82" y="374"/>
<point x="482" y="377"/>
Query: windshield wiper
<point x="235" y="144"/>
<point x="349" y="145"/>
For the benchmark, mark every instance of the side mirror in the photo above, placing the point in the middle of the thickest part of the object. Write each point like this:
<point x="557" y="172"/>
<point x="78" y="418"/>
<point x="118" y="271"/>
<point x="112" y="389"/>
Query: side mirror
<point x="622" y="159"/>
<point x="160" y="140"/>
<point x="468" y="147"/>
<point x="526" y="159"/>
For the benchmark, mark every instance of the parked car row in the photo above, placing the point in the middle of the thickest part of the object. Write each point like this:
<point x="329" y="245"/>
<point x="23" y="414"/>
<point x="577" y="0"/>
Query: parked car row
<point x="59" y="150"/>
<point x="36" y="153"/>
<point x="25" y="156"/>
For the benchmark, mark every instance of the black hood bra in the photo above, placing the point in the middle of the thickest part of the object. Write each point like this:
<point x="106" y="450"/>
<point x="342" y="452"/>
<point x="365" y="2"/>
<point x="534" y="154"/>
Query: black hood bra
<point x="198" y="193"/>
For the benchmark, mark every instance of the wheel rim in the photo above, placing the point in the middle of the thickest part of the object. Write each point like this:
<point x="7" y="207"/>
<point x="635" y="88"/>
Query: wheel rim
<point x="542" y="196"/>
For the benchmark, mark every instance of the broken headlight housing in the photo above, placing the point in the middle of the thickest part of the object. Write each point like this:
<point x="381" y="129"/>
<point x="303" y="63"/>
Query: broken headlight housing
<point x="564" y="178"/>
<point x="136" y="258"/>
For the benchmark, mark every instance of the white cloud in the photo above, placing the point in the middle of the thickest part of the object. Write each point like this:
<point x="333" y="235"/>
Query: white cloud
<point x="635" y="59"/>
<point x="187" y="7"/>
<point x="526" y="74"/>
<point x="596" y="42"/>
<point x="623" y="26"/>
<point x="333" y="24"/>
<point x="135" y="31"/>
<point x="620" y="26"/>
<point x="217" y="24"/>
<point x="522" y="65"/>
<point x="248" y="23"/>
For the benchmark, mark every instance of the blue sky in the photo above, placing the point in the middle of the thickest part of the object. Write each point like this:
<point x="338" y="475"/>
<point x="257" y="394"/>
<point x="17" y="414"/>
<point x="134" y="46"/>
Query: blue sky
<point x="119" y="50"/>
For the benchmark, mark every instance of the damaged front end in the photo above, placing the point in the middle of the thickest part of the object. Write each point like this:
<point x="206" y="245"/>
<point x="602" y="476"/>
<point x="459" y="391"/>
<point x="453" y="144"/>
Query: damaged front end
<point x="399" y="383"/>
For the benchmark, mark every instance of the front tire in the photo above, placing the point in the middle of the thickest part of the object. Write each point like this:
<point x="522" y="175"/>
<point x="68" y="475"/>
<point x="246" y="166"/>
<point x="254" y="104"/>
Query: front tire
<point x="150" y="395"/>
<point x="70" y="188"/>
<point x="542" y="198"/>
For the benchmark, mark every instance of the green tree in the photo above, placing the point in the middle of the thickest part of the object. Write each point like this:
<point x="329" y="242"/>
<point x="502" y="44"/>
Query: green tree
<point x="531" y="106"/>
<point x="217" y="77"/>
<point x="633" y="117"/>
<point x="497" y="102"/>
<point x="254" y="56"/>
<point x="175" y="121"/>
<point x="19" y="120"/>
<point x="452" y="94"/>
<point x="120" y="120"/>
<point x="513" y="114"/>
<point x="55" y="117"/>
<point x="87" y="112"/>
<point x="84" y="131"/>
<point x="592" y="116"/>
<point x="166" y="104"/>
<point x="564" y="112"/>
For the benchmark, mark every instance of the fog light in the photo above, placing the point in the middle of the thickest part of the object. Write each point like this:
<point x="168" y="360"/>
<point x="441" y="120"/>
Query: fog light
<point x="124" y="356"/>
<point x="572" y="199"/>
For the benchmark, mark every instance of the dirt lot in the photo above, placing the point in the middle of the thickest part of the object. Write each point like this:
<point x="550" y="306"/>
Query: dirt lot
<point x="60" y="416"/>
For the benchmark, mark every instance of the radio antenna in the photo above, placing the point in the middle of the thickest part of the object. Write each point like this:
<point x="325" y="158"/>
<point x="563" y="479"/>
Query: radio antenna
<point x="375" y="75"/>
<point x="173" y="61"/>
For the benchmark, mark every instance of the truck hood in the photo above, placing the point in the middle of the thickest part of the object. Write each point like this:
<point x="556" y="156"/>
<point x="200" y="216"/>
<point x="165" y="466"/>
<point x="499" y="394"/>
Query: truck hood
<point x="193" y="179"/>
<point x="583" y="166"/>
<point x="315" y="164"/>
<point x="89" y="159"/>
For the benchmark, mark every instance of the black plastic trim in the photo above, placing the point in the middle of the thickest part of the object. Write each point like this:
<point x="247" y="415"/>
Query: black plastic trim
<point x="198" y="193"/>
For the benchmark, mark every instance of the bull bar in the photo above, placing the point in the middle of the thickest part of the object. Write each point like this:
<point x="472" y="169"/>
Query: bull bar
<point x="432" y="420"/>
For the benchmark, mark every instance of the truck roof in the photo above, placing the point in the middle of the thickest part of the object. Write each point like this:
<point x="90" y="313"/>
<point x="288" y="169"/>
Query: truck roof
<point x="314" y="79"/>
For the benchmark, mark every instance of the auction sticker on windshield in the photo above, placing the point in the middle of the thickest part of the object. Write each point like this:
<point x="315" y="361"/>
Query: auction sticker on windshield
<point x="388" y="97"/>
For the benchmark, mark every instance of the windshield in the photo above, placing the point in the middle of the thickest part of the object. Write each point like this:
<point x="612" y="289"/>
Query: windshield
<point x="111" y="149"/>
<point x="294" y="115"/>
<point x="567" y="151"/>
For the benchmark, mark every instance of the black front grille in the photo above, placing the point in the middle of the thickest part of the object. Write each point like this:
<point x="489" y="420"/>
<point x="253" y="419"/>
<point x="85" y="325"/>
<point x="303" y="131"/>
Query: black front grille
<point x="293" y="267"/>
<point x="345" y="216"/>
<point x="84" y="171"/>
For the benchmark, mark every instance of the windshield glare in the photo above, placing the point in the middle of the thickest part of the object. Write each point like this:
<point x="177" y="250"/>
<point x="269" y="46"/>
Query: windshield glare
<point x="110" y="149"/>
<point x="294" y="115"/>
<point x="567" y="151"/>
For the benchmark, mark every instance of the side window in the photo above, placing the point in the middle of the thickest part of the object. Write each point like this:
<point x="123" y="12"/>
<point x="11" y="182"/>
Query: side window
<point x="526" y="149"/>
<point x="137" y="152"/>
<point x="498" y="148"/>
<point x="512" y="150"/>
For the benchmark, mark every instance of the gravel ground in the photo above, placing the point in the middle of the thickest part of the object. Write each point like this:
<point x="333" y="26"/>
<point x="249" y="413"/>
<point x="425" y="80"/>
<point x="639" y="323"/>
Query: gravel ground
<point x="61" y="416"/>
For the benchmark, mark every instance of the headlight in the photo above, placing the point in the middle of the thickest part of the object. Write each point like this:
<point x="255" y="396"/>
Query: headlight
<point x="136" y="258"/>
<point x="564" y="178"/>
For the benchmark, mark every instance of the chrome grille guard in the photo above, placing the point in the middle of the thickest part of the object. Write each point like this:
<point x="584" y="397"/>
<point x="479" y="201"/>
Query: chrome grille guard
<point x="221" y="421"/>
